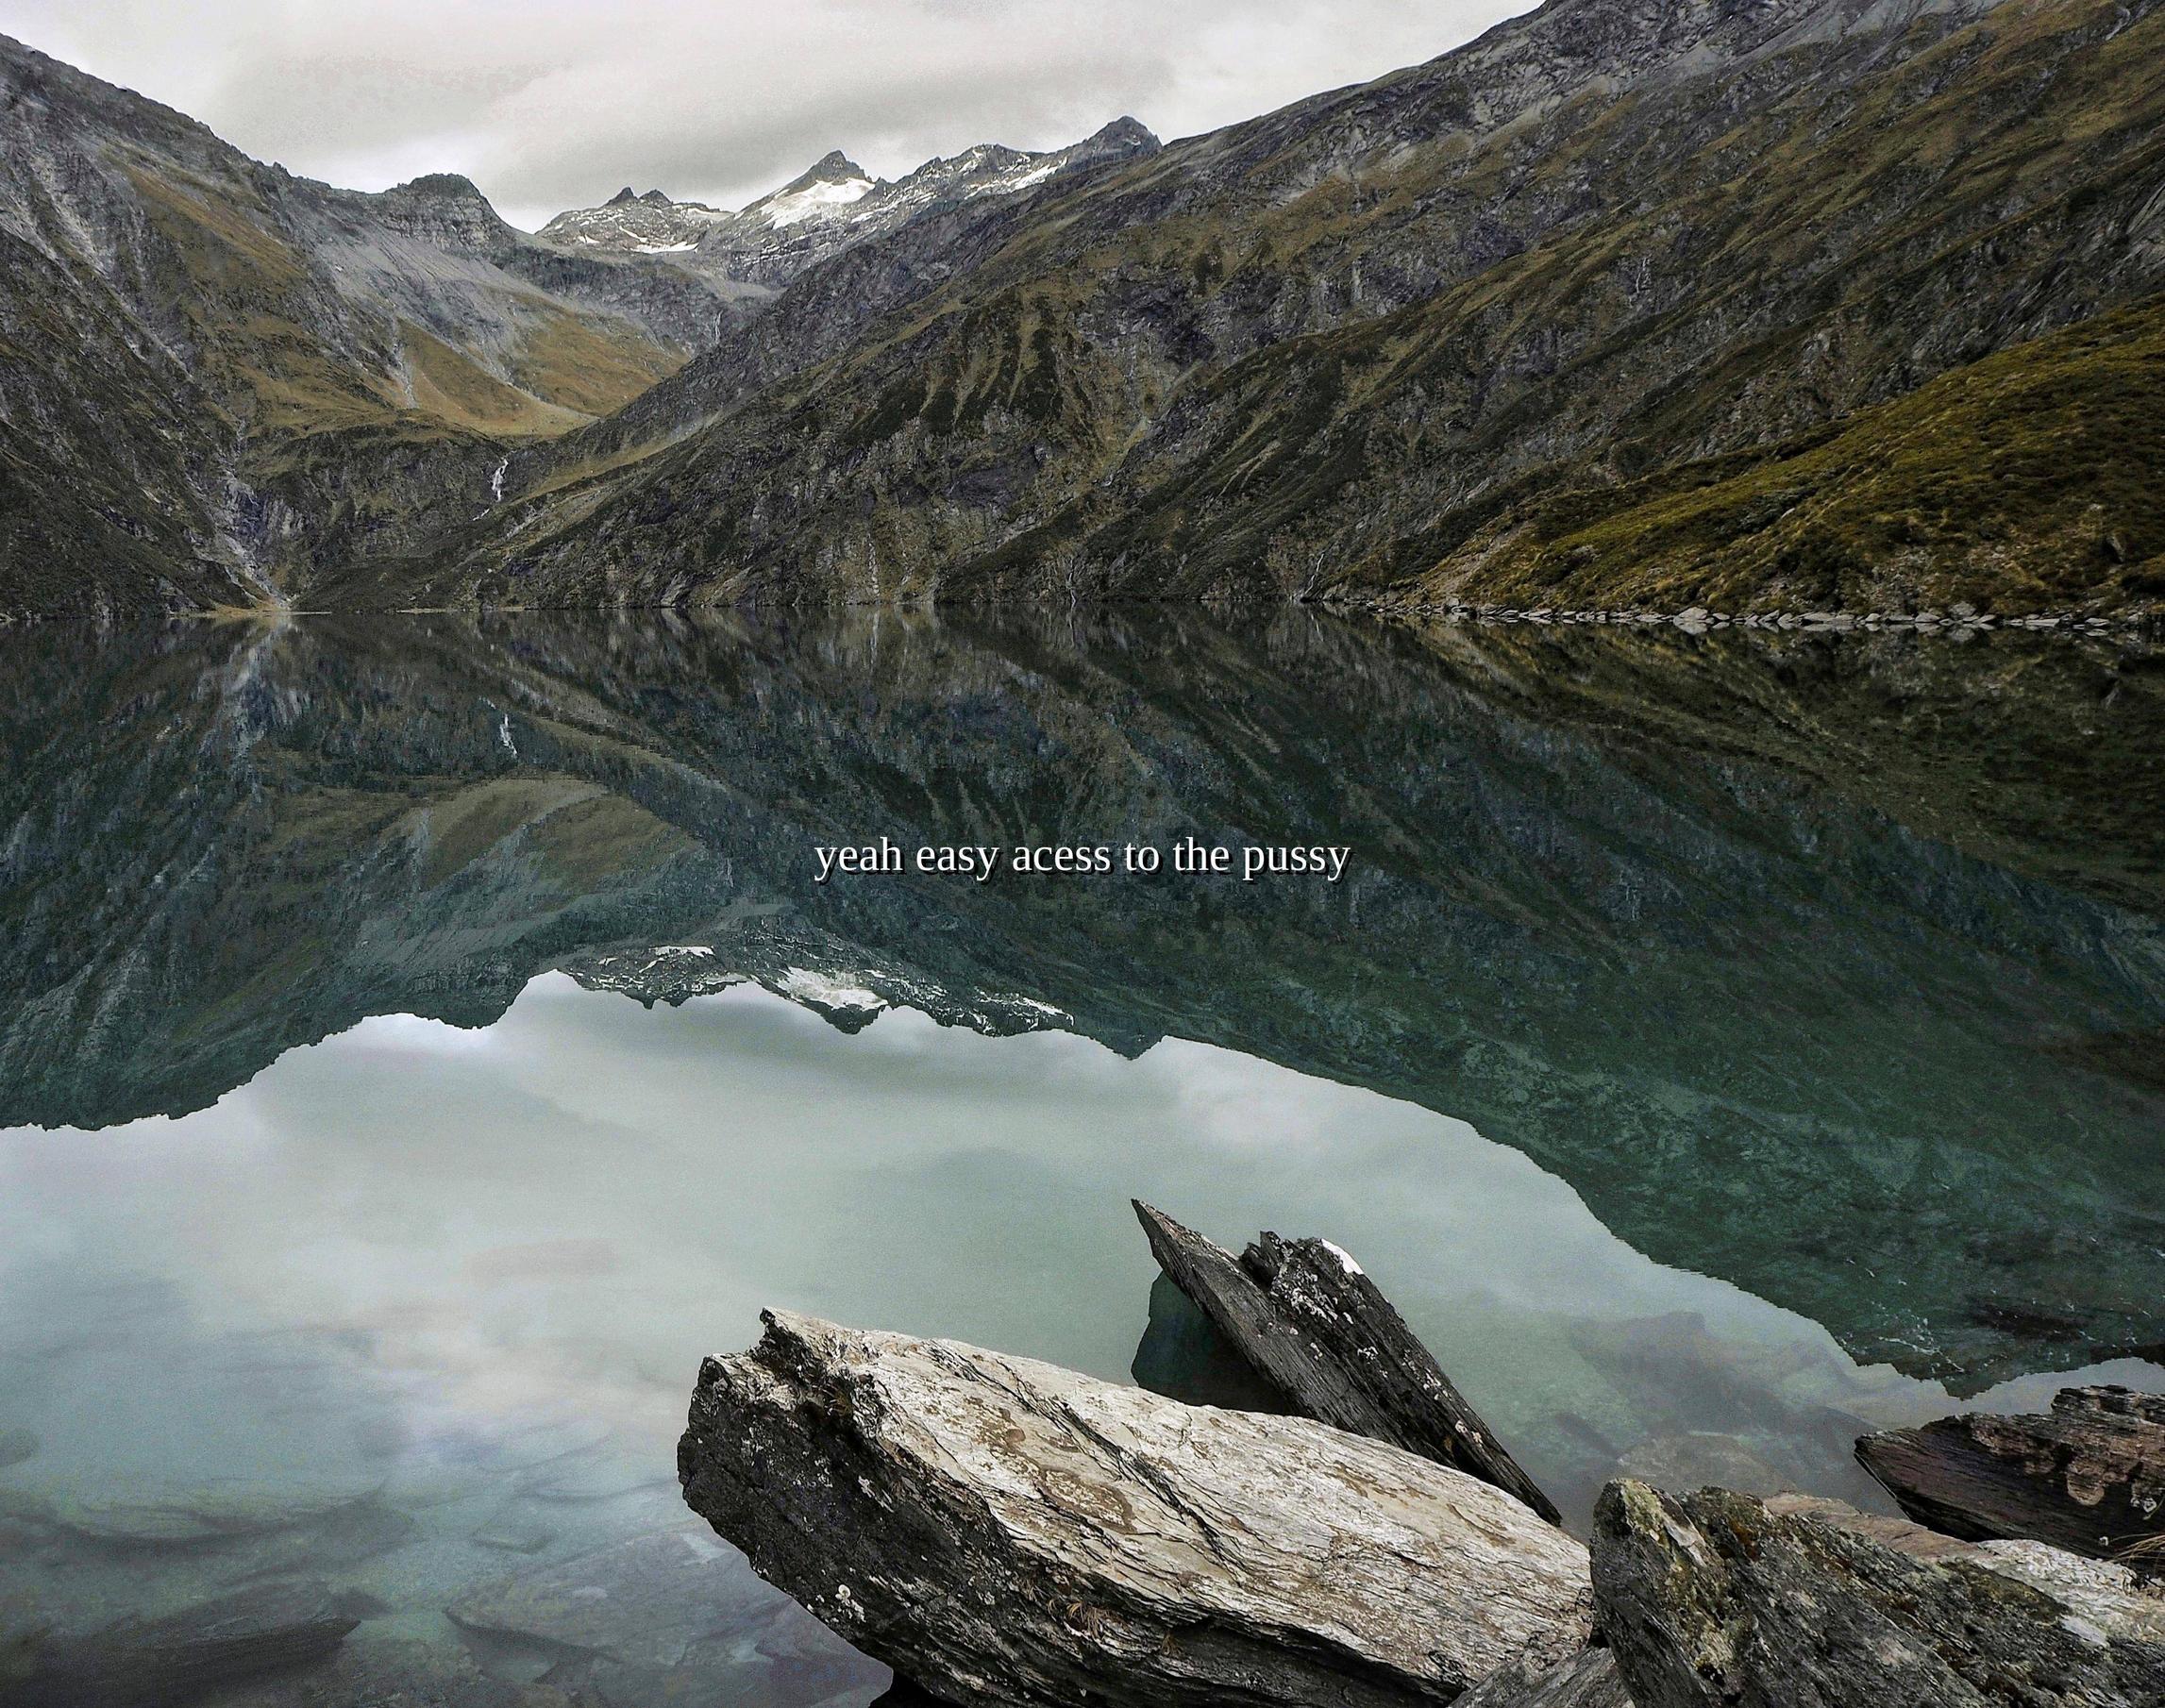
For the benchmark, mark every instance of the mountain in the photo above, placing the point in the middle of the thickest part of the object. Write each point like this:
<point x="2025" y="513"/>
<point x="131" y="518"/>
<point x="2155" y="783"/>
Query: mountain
<point x="1754" y="304"/>
<point x="215" y="375"/>
<point x="832" y="207"/>
<point x="628" y="223"/>
<point x="1615" y="304"/>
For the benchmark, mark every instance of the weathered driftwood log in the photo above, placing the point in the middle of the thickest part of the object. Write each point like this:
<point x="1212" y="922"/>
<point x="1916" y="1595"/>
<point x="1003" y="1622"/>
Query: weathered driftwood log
<point x="1003" y="1531"/>
<point x="2087" y="1476"/>
<point x="1718" y="1598"/>
<point x="1319" y="1331"/>
<point x="1588" y="1680"/>
<point x="181" y="1656"/>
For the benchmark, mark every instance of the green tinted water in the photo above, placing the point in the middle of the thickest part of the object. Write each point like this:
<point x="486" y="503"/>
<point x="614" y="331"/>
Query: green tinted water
<point x="1822" y="1076"/>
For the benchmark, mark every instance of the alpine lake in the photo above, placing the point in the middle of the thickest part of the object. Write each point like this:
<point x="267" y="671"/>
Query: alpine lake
<point x="423" y="1038"/>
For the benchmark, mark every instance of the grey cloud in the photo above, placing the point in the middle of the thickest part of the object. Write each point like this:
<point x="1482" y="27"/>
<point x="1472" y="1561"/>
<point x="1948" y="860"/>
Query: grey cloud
<point x="555" y="105"/>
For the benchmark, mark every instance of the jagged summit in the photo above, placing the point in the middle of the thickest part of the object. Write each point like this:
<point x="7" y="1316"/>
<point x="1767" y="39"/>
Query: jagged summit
<point x="440" y="208"/>
<point x="833" y="167"/>
<point x="453" y="185"/>
<point x="832" y="183"/>
<point x="1125" y="132"/>
<point x="332" y="324"/>
<point x="831" y="205"/>
<point x="1627" y="304"/>
<point x="1560" y="321"/>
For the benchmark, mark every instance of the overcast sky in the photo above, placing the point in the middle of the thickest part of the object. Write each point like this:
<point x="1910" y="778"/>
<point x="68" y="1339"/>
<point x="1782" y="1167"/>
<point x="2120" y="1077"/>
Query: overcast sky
<point x="555" y="104"/>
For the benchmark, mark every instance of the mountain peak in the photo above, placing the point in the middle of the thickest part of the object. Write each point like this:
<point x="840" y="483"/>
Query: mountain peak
<point x="833" y="167"/>
<point x="453" y="186"/>
<point x="834" y="182"/>
<point x="1126" y="132"/>
<point x="621" y="197"/>
<point x="444" y="208"/>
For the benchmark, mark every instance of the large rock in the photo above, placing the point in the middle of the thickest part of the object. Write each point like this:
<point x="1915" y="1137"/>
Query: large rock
<point x="667" y="1615"/>
<point x="1184" y="1357"/>
<point x="1718" y="1598"/>
<point x="1005" y="1531"/>
<point x="210" y="1517"/>
<point x="2087" y="1476"/>
<point x="1319" y="1331"/>
<point x="2111" y="1597"/>
<point x="1588" y="1680"/>
<point x="181" y="1656"/>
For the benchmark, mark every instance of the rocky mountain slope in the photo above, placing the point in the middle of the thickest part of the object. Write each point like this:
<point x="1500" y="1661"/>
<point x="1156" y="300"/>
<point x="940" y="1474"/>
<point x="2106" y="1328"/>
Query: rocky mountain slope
<point x="1411" y="340"/>
<point x="214" y="376"/>
<point x="1758" y="304"/>
<point x="833" y="206"/>
<point x="631" y="223"/>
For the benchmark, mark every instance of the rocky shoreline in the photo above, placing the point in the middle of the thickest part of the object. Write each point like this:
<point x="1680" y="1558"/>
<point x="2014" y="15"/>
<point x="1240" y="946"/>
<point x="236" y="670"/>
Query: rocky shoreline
<point x="1697" y="619"/>
<point x="1960" y="621"/>
<point x="1006" y="1533"/>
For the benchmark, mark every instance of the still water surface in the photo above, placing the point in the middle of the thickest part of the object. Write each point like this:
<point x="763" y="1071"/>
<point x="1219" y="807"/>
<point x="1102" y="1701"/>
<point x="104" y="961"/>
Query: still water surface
<point x="426" y="1044"/>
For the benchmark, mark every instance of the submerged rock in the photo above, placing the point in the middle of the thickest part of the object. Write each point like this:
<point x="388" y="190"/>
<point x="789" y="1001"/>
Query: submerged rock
<point x="654" y="1596"/>
<point x="512" y="1536"/>
<point x="343" y="1537"/>
<point x="1182" y="1356"/>
<point x="18" y="1445"/>
<point x="1588" y="1680"/>
<point x="210" y="1515"/>
<point x="401" y="1673"/>
<point x="666" y="1615"/>
<point x="1320" y="1333"/>
<point x="578" y="1483"/>
<point x="1007" y="1533"/>
<point x="2087" y="1476"/>
<point x="1718" y="1598"/>
<point x="1699" y="1457"/>
<point x="181" y="1656"/>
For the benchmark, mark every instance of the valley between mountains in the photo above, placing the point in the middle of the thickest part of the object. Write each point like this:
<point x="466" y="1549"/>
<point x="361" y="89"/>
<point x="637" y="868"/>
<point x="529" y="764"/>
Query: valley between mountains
<point x="1787" y="306"/>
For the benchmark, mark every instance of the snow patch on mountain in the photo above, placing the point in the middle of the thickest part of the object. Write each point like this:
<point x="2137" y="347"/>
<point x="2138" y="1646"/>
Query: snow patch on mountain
<point x="832" y="207"/>
<point x="635" y="225"/>
<point x="837" y="183"/>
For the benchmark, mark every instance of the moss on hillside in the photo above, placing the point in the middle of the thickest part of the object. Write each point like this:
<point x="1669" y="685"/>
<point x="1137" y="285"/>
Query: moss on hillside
<point x="579" y="365"/>
<point x="1382" y="347"/>
<point x="2027" y="482"/>
<point x="450" y="386"/>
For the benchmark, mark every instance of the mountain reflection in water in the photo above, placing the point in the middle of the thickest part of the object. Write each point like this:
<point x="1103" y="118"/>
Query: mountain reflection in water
<point x="1717" y="1047"/>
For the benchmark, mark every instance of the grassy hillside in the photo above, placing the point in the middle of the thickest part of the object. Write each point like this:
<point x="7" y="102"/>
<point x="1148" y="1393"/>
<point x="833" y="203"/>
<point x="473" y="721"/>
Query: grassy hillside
<point x="1328" y="352"/>
<point x="2027" y="482"/>
<point x="1813" y="304"/>
<point x="203" y="359"/>
<point x="101" y="505"/>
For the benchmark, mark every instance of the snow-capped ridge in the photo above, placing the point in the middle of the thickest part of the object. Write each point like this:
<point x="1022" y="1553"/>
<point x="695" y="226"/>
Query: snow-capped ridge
<point x="834" y="182"/>
<point x="629" y="222"/>
<point x="831" y="205"/>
